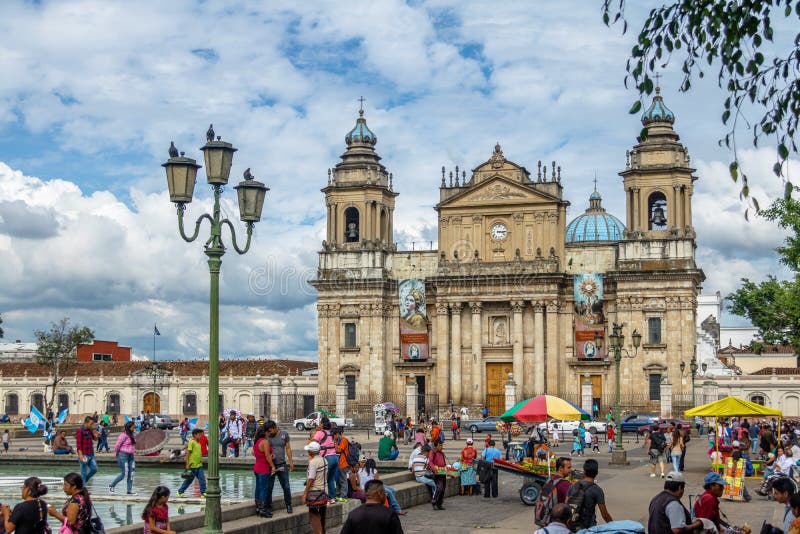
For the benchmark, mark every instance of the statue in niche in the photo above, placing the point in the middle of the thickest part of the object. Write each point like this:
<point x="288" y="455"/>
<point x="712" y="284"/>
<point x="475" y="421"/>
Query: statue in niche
<point x="500" y="337"/>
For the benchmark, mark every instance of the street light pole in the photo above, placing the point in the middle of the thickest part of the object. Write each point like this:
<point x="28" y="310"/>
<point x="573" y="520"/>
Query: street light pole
<point x="616" y="341"/>
<point x="181" y="174"/>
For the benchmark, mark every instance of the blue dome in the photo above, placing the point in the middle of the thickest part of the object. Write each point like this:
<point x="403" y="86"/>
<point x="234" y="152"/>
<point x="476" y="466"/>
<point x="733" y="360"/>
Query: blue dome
<point x="361" y="133"/>
<point x="658" y="112"/>
<point x="595" y="224"/>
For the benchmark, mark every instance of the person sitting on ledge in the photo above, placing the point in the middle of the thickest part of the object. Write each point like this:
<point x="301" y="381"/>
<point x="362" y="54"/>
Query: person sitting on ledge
<point x="60" y="444"/>
<point x="387" y="447"/>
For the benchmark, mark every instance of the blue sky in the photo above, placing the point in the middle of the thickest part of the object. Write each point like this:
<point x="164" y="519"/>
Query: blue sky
<point x="92" y="93"/>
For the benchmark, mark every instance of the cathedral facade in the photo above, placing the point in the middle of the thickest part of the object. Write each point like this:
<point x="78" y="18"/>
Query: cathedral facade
<point x="514" y="289"/>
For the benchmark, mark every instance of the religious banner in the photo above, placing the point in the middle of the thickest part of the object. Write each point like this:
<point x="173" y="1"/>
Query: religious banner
<point x="589" y="318"/>
<point x="413" y="320"/>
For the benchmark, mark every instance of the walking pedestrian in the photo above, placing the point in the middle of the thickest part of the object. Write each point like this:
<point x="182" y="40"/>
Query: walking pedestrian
<point x="102" y="438"/>
<point x="6" y="440"/>
<point x="156" y="512"/>
<point x="610" y="434"/>
<point x="593" y="497"/>
<point x="262" y="469"/>
<point x="184" y="430"/>
<point x="84" y="443"/>
<point x="194" y="464"/>
<point x="436" y="461"/>
<point x="314" y="493"/>
<point x="281" y="458"/>
<point x="468" y="456"/>
<point x="554" y="434"/>
<point x="655" y="444"/>
<point x="677" y="449"/>
<point x="125" y="448"/>
<point x="324" y="437"/>
<point x="372" y="516"/>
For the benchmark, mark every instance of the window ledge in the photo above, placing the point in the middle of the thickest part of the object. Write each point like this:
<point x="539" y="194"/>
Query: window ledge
<point x="350" y="349"/>
<point x="653" y="346"/>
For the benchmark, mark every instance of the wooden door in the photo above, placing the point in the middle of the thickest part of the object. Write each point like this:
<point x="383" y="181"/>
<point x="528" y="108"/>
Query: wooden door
<point x="152" y="403"/>
<point x="496" y="378"/>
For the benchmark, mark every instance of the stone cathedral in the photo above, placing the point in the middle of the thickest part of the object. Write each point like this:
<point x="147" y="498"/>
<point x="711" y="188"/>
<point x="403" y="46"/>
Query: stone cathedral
<point x="514" y="290"/>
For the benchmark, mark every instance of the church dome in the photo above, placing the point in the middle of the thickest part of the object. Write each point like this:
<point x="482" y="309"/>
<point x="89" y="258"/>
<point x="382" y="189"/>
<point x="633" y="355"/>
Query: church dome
<point x="595" y="225"/>
<point x="658" y="111"/>
<point x="361" y="132"/>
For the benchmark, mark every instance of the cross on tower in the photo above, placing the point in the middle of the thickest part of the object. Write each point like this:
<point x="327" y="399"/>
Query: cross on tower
<point x="657" y="76"/>
<point x="595" y="181"/>
<point x="361" y="104"/>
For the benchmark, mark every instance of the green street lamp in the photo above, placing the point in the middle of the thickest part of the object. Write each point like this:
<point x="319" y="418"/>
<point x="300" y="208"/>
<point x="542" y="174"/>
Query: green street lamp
<point x="616" y="340"/>
<point x="181" y="176"/>
<point x="693" y="371"/>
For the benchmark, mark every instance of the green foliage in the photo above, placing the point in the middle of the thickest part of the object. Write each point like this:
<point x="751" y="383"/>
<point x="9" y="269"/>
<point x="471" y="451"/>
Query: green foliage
<point x="736" y="36"/>
<point x="773" y="306"/>
<point x="57" y="350"/>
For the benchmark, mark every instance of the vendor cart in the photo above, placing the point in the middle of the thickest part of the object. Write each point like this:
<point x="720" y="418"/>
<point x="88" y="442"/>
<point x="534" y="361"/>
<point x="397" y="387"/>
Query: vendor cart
<point x="383" y="411"/>
<point x="531" y="482"/>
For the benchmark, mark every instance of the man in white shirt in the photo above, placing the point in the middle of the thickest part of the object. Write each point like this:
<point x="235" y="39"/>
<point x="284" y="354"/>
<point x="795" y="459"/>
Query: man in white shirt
<point x="418" y="463"/>
<point x="234" y="428"/>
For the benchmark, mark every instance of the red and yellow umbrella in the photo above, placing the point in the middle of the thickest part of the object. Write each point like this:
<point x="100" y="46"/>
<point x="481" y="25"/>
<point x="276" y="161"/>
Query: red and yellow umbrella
<point x="540" y="409"/>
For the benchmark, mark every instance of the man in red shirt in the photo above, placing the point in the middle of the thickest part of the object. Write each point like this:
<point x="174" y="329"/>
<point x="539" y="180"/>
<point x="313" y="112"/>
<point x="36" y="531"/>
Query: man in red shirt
<point x="610" y="434"/>
<point x="707" y="506"/>
<point x="563" y="469"/>
<point x="84" y="445"/>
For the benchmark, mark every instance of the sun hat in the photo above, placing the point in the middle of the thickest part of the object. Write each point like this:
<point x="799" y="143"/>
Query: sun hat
<point x="736" y="444"/>
<point x="312" y="446"/>
<point x="362" y="457"/>
<point x="676" y="476"/>
<point x="714" y="478"/>
<point x="469" y="441"/>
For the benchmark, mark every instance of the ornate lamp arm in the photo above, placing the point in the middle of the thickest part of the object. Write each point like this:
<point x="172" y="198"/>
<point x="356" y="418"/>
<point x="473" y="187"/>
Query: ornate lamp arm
<point x="181" y="209"/>
<point x="233" y="236"/>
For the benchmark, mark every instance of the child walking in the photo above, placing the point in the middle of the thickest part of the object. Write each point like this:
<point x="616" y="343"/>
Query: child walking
<point x="194" y="463"/>
<point x="6" y="440"/>
<point x="576" y="445"/>
<point x="595" y="443"/>
<point x="156" y="512"/>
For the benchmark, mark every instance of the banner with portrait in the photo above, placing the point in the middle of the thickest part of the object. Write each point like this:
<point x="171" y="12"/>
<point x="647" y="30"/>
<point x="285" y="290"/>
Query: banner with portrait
<point x="589" y="317"/>
<point x="413" y="319"/>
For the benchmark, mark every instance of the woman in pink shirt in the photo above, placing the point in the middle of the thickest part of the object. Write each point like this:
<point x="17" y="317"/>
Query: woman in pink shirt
<point x="327" y="449"/>
<point x="125" y="449"/>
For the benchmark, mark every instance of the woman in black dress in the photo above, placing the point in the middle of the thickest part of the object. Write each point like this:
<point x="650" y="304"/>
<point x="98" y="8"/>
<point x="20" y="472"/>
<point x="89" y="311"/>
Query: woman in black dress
<point x="29" y="516"/>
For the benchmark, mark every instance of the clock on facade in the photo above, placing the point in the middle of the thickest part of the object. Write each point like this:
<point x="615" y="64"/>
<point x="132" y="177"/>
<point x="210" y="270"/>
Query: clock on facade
<point x="499" y="232"/>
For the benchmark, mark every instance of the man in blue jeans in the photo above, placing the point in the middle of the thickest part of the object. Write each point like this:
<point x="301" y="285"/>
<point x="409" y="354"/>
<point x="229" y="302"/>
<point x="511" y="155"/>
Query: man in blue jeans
<point x="85" y="438"/>
<point x="282" y="456"/>
<point x="194" y="464"/>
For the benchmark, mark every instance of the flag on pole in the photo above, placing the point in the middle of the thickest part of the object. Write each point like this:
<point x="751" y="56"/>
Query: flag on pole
<point x="36" y="417"/>
<point x="62" y="416"/>
<point x="155" y="331"/>
<point x="30" y="425"/>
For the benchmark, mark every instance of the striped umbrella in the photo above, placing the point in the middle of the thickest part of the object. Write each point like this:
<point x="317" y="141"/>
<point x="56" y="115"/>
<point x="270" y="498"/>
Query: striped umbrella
<point x="540" y="409"/>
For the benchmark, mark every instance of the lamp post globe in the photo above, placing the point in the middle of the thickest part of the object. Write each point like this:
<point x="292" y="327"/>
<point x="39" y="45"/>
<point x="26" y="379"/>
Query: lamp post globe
<point x="218" y="156"/>
<point x="181" y="177"/>
<point x="251" y="199"/>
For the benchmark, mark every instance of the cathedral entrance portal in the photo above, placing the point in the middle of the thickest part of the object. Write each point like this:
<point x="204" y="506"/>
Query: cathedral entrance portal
<point x="496" y="378"/>
<point x="152" y="402"/>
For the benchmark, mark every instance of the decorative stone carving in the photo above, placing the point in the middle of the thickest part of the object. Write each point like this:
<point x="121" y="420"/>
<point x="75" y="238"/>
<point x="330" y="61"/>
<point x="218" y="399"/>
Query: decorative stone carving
<point x="441" y="308"/>
<point x="552" y="306"/>
<point x="517" y="306"/>
<point x="498" y="192"/>
<point x="477" y="218"/>
<point x="476" y="307"/>
<point x="518" y="217"/>
<point x="529" y="243"/>
<point x="456" y="307"/>
<point x="500" y="331"/>
<point x="497" y="160"/>
<point x="348" y="311"/>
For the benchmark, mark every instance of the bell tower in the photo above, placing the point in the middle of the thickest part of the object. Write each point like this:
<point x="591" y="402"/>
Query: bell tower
<point x="359" y="195"/>
<point x="658" y="179"/>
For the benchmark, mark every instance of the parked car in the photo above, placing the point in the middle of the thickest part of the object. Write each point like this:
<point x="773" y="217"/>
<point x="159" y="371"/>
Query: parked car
<point x="663" y="422"/>
<point x="310" y="421"/>
<point x="566" y="427"/>
<point x="486" y="425"/>
<point x="165" y="422"/>
<point x="632" y="422"/>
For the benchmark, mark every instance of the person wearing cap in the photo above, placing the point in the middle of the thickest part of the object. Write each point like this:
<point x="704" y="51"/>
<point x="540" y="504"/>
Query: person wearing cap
<point x="667" y="513"/>
<point x="314" y="493"/>
<point x="387" y="447"/>
<point x="707" y="506"/>
<point x="467" y="459"/>
<point x="250" y="428"/>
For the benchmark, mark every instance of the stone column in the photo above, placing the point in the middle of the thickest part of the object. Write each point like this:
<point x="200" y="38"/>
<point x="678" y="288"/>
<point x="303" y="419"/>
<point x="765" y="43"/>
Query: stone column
<point x="341" y="397"/>
<point x="586" y="394"/>
<point x="666" y="399"/>
<point x="455" y="356"/>
<point x="552" y="385"/>
<point x="636" y="213"/>
<point x="687" y="210"/>
<point x="292" y="404"/>
<point x="477" y="353"/>
<point x="511" y="392"/>
<point x="442" y="357"/>
<point x="274" y="391"/>
<point x="516" y="332"/>
<point x="538" y="368"/>
<point x="411" y="397"/>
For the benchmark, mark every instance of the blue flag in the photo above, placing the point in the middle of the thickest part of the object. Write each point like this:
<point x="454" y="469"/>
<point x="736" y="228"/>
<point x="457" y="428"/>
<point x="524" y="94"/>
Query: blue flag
<point x="62" y="416"/>
<point x="193" y="423"/>
<point x="36" y="417"/>
<point x="127" y="419"/>
<point x="30" y="425"/>
<point x="155" y="331"/>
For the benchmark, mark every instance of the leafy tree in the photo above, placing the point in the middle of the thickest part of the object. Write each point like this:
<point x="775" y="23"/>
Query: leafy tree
<point x="57" y="350"/>
<point x="737" y="37"/>
<point x="773" y="306"/>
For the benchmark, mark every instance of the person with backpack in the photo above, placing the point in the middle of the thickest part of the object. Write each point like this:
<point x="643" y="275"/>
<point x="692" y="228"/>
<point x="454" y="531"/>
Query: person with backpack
<point x="655" y="444"/>
<point x="584" y="496"/>
<point x="553" y="492"/>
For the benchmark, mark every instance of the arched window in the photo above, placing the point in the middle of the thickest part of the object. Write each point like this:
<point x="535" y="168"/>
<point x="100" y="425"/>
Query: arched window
<point x="12" y="404"/>
<point x="758" y="399"/>
<point x="37" y="400"/>
<point x="657" y="211"/>
<point x="351" y="227"/>
<point x="63" y="402"/>
<point x="190" y="403"/>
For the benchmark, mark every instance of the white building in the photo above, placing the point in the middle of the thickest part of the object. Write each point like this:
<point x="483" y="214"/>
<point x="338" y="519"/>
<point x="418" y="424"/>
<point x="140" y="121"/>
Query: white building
<point x="18" y="351"/>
